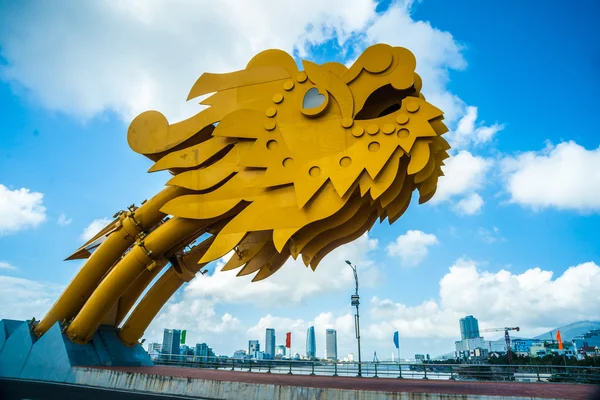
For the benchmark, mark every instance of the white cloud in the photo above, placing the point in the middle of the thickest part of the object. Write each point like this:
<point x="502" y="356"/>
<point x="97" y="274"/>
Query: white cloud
<point x="96" y="226"/>
<point x="23" y="299"/>
<point x="470" y="205"/>
<point x="63" y="220"/>
<point x="468" y="132"/>
<point x="464" y="175"/>
<point x="293" y="282"/>
<point x="20" y="209"/>
<point x="423" y="320"/>
<point x="132" y="56"/>
<point x="412" y="247"/>
<point x="535" y="300"/>
<point x="565" y="176"/>
<point x="5" y="265"/>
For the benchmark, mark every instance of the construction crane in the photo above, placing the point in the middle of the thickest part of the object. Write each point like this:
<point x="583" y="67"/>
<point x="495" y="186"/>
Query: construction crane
<point x="506" y="338"/>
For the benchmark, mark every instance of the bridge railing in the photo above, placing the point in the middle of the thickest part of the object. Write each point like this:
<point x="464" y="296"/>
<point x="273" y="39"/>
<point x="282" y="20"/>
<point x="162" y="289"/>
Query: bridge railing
<point x="471" y="372"/>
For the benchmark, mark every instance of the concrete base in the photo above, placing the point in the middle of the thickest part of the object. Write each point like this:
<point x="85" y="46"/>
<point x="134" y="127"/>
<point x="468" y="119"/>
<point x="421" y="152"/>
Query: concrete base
<point x="223" y="384"/>
<point x="53" y="356"/>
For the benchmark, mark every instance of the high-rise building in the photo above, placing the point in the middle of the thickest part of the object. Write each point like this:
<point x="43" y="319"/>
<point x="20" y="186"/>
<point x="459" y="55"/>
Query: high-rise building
<point x="270" y="342"/>
<point x="280" y="351"/>
<point x="253" y="347"/>
<point x="171" y="339"/>
<point x="154" y="347"/>
<point x="331" y="344"/>
<point x="469" y="327"/>
<point x="311" y="344"/>
<point x="201" y="350"/>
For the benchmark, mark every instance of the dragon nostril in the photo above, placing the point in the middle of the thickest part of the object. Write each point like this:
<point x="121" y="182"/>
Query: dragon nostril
<point x="313" y="99"/>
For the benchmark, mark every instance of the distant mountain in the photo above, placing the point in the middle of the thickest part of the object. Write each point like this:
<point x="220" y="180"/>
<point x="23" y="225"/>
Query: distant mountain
<point x="568" y="332"/>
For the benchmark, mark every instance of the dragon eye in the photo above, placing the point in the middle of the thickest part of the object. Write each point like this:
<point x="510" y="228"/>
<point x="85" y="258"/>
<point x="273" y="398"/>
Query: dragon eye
<point x="314" y="101"/>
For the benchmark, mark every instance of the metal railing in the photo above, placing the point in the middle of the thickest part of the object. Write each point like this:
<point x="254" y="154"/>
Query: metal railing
<point x="462" y="372"/>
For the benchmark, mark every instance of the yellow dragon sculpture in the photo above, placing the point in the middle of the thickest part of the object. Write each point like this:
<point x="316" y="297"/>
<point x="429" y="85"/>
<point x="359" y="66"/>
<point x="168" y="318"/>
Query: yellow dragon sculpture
<point x="282" y="163"/>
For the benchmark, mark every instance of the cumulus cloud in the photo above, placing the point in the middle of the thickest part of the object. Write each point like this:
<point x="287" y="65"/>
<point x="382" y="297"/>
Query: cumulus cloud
<point x="468" y="131"/>
<point x="565" y="176"/>
<point x="63" y="220"/>
<point x="293" y="282"/>
<point x="130" y="56"/>
<point x="464" y="175"/>
<point x="470" y="205"/>
<point x="23" y="299"/>
<point x="20" y="209"/>
<point x="412" y="247"/>
<point x="535" y="300"/>
<point x="94" y="227"/>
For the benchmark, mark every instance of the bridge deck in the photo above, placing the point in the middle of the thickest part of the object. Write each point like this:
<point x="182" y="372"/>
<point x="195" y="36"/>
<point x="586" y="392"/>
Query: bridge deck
<point x="508" y="389"/>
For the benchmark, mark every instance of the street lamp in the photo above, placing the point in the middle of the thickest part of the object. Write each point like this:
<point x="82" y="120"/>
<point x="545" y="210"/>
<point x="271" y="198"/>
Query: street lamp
<point x="354" y="302"/>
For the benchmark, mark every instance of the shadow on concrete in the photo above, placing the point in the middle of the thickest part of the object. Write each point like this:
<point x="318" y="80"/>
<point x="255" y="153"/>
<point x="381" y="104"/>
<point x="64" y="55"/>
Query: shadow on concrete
<point x="17" y="389"/>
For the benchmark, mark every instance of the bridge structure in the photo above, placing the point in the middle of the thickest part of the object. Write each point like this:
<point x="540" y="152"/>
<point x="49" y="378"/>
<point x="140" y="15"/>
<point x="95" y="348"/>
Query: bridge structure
<point x="281" y="163"/>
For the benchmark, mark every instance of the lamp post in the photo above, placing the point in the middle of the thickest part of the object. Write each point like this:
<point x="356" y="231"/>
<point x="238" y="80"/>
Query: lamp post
<point x="354" y="301"/>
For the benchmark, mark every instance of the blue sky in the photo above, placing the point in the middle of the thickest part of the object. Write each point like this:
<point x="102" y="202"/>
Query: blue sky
<point x="510" y="236"/>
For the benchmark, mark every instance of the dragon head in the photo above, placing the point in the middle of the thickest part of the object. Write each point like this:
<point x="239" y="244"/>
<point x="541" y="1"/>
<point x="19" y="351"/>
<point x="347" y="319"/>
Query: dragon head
<point x="289" y="162"/>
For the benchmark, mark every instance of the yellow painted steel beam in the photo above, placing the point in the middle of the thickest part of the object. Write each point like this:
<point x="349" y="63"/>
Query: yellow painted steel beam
<point x="82" y="286"/>
<point x="184" y="270"/>
<point x="142" y="256"/>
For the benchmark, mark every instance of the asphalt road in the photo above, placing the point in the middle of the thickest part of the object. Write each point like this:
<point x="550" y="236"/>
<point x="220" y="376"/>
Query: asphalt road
<point x="35" y="390"/>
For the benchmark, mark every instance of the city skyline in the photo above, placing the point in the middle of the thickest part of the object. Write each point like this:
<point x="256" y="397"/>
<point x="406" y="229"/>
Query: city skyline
<point x="512" y="225"/>
<point x="589" y="335"/>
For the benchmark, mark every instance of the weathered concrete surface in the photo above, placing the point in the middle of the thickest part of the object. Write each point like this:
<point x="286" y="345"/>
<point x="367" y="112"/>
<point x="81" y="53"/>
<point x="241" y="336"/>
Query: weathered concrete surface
<point x="243" y="385"/>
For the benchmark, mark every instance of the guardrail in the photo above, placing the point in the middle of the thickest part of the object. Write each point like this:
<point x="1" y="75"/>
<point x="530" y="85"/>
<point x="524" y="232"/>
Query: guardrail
<point x="463" y="372"/>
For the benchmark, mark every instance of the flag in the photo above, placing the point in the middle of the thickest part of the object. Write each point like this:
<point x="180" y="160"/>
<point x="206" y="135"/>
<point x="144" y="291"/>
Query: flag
<point x="559" y="340"/>
<point x="396" y="340"/>
<point x="183" y="333"/>
<point x="288" y="340"/>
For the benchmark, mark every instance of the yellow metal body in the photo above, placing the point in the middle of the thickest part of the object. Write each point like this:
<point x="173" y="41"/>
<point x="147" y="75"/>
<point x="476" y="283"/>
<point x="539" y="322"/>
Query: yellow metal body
<point x="281" y="163"/>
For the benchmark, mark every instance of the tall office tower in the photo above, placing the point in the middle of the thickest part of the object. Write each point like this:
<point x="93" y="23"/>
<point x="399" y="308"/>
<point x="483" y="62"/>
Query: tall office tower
<point x="171" y="339"/>
<point x="253" y="346"/>
<point x="469" y="327"/>
<point x="270" y="342"/>
<point x="331" y="344"/>
<point x="311" y="344"/>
